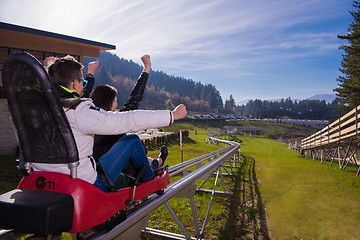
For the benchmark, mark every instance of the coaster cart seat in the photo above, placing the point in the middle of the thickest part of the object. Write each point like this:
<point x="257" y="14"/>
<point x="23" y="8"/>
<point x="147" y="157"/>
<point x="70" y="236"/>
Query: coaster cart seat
<point x="48" y="202"/>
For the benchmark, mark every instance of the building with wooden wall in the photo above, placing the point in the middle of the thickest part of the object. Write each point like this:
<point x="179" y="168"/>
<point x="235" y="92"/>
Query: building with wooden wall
<point x="41" y="44"/>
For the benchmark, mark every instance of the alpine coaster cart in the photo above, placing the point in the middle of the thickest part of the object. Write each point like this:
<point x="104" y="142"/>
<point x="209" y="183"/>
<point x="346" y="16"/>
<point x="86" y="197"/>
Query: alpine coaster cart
<point x="49" y="203"/>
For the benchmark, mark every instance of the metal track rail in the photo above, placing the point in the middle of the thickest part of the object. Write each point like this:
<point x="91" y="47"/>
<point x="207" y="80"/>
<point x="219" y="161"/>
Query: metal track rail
<point x="184" y="187"/>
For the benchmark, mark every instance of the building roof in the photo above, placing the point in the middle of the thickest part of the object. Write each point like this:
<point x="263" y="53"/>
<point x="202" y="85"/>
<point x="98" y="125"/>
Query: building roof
<point x="15" y="36"/>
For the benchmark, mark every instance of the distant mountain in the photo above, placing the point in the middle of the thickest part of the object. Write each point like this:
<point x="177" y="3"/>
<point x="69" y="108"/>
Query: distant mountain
<point x="327" y="97"/>
<point x="242" y="102"/>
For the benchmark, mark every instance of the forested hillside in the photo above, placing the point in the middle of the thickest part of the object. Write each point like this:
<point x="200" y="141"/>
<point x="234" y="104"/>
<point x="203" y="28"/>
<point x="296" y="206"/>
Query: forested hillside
<point x="163" y="91"/>
<point x="304" y="109"/>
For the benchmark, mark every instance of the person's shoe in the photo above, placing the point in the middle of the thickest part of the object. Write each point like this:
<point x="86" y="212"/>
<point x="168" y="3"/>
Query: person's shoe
<point x="163" y="154"/>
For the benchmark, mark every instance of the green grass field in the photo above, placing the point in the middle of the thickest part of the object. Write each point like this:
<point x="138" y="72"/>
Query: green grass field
<point x="304" y="199"/>
<point x="9" y="174"/>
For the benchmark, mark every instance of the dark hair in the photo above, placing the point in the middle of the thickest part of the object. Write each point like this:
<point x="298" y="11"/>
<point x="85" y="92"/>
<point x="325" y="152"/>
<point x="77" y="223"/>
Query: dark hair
<point x="103" y="96"/>
<point x="64" y="70"/>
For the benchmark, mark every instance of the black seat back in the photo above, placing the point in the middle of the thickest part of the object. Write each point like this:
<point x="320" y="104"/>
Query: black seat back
<point x="43" y="130"/>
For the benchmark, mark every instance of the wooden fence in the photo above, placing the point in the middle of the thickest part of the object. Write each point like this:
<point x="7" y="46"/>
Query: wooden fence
<point x="162" y="140"/>
<point x="344" y="128"/>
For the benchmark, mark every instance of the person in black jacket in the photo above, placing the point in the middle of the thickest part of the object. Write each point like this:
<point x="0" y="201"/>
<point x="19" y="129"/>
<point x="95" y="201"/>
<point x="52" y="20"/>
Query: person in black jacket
<point x="105" y="97"/>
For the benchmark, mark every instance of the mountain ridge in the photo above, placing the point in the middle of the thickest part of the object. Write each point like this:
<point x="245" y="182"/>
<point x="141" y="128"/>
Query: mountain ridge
<point x="162" y="90"/>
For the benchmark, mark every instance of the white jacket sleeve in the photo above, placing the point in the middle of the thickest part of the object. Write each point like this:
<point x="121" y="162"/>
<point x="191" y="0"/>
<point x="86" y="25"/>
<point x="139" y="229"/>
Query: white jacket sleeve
<point x="92" y="121"/>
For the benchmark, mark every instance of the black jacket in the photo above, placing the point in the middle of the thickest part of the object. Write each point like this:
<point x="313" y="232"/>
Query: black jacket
<point x="103" y="143"/>
<point x="91" y="81"/>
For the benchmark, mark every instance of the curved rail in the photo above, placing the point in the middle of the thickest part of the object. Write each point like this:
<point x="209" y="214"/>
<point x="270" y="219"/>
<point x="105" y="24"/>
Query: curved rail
<point x="183" y="186"/>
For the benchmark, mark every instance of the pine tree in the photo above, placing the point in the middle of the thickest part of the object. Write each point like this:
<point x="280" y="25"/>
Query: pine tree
<point x="230" y="104"/>
<point x="348" y="92"/>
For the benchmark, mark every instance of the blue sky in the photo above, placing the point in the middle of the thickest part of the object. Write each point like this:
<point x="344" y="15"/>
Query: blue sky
<point x="264" y="49"/>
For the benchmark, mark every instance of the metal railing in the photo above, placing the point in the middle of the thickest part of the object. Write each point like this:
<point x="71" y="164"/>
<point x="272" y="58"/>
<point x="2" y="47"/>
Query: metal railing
<point x="185" y="187"/>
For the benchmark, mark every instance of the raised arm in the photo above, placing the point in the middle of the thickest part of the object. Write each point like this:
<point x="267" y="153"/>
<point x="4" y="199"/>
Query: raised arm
<point x="147" y="63"/>
<point x="137" y="93"/>
<point x="92" y="66"/>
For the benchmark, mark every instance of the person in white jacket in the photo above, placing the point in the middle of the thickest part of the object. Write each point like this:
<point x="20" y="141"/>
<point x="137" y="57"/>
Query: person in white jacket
<point x="86" y="120"/>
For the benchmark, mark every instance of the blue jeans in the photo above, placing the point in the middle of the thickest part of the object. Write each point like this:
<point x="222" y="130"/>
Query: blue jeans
<point x="128" y="147"/>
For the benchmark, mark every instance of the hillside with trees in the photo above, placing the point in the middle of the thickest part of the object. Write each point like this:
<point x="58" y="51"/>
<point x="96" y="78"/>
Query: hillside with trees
<point x="304" y="109"/>
<point x="164" y="92"/>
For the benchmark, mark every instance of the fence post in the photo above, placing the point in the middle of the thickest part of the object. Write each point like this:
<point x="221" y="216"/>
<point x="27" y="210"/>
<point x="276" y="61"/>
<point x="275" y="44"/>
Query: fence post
<point x="356" y="120"/>
<point x="339" y="130"/>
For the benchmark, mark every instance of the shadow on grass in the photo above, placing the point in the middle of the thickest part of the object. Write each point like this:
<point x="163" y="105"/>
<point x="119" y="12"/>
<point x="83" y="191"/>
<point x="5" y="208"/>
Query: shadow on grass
<point x="260" y="206"/>
<point x="246" y="213"/>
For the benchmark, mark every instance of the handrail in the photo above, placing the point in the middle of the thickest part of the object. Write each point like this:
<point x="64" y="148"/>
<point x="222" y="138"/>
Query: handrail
<point x="176" y="187"/>
<point x="174" y="170"/>
<point x="344" y="128"/>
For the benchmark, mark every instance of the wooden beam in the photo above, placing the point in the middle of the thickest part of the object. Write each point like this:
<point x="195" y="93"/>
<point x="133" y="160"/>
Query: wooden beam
<point x="22" y="40"/>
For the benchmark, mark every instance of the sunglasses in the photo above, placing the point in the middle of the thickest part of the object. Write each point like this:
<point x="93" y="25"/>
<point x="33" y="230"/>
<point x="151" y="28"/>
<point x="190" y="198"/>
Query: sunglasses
<point x="85" y="82"/>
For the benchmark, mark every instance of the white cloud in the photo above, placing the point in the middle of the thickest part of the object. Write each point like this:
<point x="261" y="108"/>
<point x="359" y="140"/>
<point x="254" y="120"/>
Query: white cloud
<point x="208" y="41"/>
